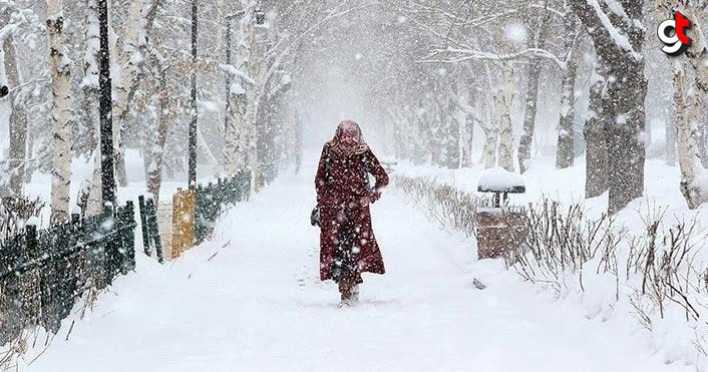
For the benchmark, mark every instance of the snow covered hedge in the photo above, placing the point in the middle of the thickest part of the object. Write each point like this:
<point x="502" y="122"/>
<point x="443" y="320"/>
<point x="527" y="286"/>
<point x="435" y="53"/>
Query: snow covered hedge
<point x="451" y="207"/>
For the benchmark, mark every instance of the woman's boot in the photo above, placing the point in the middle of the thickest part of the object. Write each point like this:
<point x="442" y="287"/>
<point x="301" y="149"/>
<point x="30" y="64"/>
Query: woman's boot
<point x="345" y="290"/>
<point x="354" y="293"/>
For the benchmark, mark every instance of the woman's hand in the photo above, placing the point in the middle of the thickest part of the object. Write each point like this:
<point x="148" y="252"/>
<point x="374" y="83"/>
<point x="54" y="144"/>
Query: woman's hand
<point x="364" y="201"/>
<point x="374" y="196"/>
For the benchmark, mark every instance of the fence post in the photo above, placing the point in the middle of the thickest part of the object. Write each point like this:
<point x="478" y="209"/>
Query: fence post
<point x="153" y="230"/>
<point x="200" y="211"/>
<point x="127" y="226"/>
<point x="143" y="225"/>
<point x="72" y="270"/>
<point x="183" y="221"/>
<point x="107" y="245"/>
<point x="32" y="240"/>
<point x="28" y="278"/>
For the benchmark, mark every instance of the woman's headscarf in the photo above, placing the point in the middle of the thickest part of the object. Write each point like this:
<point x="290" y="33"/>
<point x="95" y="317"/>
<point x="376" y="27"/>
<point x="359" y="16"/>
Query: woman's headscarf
<point x="349" y="126"/>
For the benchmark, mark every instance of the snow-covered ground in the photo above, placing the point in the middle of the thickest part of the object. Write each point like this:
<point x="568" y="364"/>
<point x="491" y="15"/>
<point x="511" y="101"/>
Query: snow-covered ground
<point x="251" y="301"/>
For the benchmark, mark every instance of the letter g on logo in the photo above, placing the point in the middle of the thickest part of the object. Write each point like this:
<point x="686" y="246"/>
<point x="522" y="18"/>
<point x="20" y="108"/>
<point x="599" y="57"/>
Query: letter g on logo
<point x="672" y="45"/>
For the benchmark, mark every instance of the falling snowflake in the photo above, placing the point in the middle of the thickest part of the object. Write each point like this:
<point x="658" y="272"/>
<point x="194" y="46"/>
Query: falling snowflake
<point x="515" y="32"/>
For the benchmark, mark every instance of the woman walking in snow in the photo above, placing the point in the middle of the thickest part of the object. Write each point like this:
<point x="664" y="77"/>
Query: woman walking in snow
<point x="347" y="243"/>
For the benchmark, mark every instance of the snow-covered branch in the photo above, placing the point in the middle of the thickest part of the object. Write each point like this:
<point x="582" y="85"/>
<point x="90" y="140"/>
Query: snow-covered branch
<point x="471" y="54"/>
<point x="616" y="35"/>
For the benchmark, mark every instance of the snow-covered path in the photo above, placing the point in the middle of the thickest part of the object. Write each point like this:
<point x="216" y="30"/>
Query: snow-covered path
<point x="251" y="301"/>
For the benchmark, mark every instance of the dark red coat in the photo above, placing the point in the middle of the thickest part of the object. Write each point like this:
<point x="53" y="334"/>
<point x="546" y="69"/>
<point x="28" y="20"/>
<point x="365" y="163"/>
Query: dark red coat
<point x="340" y="187"/>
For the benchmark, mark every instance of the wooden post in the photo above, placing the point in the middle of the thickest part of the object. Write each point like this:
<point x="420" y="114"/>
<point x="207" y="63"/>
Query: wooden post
<point x="183" y="221"/>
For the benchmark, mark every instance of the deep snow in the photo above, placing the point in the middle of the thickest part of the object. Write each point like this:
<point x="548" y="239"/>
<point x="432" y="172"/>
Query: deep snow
<point x="251" y="301"/>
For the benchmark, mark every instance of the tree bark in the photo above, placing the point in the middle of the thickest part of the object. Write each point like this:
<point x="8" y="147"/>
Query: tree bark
<point x="530" y="107"/>
<point x="491" y="135"/>
<point x="18" y="120"/>
<point x="155" y="170"/>
<point x="471" y="120"/>
<point x="595" y="138"/>
<point x="671" y="139"/>
<point x="121" y="87"/>
<point x="565" y="155"/>
<point x="504" y="100"/>
<point x="61" y="113"/>
<point x="236" y="140"/>
<point x="94" y="205"/>
<point x="240" y="138"/>
<point x="686" y="107"/>
<point x="626" y="91"/>
<point x="626" y="148"/>
<point x="253" y="93"/>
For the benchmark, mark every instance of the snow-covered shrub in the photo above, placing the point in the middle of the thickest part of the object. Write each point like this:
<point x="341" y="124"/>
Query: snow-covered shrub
<point x="14" y="213"/>
<point x="452" y="207"/>
<point x="561" y="240"/>
<point x="656" y="275"/>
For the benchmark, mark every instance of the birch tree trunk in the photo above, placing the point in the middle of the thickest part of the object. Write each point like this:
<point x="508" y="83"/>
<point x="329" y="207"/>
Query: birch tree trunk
<point x="504" y="100"/>
<point x="690" y="139"/>
<point x="686" y="107"/>
<point x="460" y="122"/>
<point x="464" y="115"/>
<point x="491" y="136"/>
<point x="463" y="120"/>
<point x="239" y="136"/>
<point x="94" y="205"/>
<point x="253" y="94"/>
<point x="471" y="120"/>
<point x="703" y="146"/>
<point x="154" y="182"/>
<point x="18" y="120"/>
<point x="236" y="139"/>
<point x="121" y="87"/>
<point x="61" y="114"/>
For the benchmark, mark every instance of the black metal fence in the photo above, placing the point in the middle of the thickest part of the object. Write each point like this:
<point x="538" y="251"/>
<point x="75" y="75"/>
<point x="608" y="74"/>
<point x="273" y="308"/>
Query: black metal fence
<point x="150" y="231"/>
<point x="44" y="272"/>
<point x="213" y="199"/>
